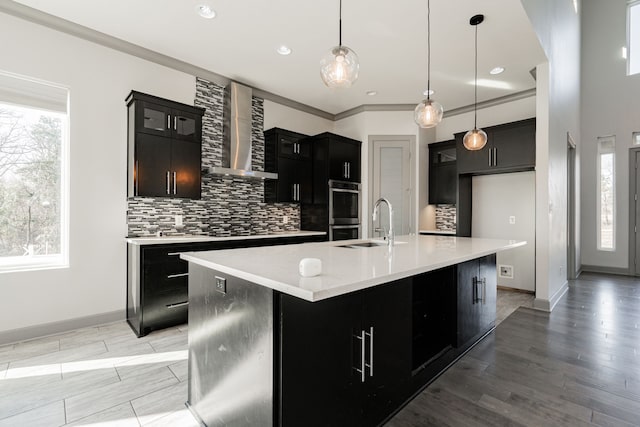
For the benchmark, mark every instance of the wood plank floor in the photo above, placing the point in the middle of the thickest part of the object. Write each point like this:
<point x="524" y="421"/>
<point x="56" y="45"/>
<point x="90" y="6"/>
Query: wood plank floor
<point x="576" y="366"/>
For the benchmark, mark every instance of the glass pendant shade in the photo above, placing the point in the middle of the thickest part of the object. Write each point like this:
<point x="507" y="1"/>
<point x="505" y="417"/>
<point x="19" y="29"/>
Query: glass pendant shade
<point x="428" y="113"/>
<point x="475" y="139"/>
<point x="339" y="67"/>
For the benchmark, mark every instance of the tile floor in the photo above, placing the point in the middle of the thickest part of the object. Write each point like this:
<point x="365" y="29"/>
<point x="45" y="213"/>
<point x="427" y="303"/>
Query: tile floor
<point x="105" y="376"/>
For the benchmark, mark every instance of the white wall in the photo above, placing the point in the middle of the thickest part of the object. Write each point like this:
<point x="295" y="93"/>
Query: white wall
<point x="610" y="106"/>
<point x="99" y="79"/>
<point x="495" y="199"/>
<point x="277" y="115"/>
<point x="557" y="26"/>
<point x="361" y="125"/>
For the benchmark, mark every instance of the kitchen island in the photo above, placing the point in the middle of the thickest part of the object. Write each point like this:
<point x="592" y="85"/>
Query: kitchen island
<point x="348" y="347"/>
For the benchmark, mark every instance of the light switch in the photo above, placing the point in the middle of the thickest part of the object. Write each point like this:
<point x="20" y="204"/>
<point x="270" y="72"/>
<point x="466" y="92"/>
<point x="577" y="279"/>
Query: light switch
<point x="512" y="219"/>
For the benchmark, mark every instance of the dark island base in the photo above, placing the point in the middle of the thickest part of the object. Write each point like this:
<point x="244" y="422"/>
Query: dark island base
<point x="260" y="357"/>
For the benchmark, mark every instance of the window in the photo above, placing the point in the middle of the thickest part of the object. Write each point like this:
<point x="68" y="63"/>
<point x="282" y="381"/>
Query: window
<point x="633" y="37"/>
<point x="606" y="168"/>
<point x="33" y="153"/>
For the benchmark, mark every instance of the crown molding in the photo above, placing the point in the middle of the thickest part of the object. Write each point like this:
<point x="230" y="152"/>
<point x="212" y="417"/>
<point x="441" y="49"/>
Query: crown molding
<point x="59" y="24"/>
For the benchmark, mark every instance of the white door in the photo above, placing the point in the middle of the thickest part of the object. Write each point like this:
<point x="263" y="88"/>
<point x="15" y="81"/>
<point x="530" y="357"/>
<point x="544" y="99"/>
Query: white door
<point x="390" y="177"/>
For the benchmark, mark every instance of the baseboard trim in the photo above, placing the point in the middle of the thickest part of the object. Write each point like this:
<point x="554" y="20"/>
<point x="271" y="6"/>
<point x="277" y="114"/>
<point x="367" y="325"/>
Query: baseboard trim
<point x="39" y="331"/>
<point x="606" y="270"/>
<point x="549" y="305"/>
<point x="522" y="291"/>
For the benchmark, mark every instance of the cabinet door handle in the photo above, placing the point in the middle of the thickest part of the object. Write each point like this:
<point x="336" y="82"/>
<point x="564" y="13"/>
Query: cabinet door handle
<point x="370" y="364"/>
<point x="298" y="192"/>
<point x="495" y="156"/>
<point x="175" y="123"/>
<point x="490" y="157"/>
<point x="178" y="304"/>
<point x="484" y="290"/>
<point x="173" y="276"/>
<point x="168" y="182"/>
<point x="348" y="170"/>
<point x="136" y="178"/>
<point x="174" y="182"/>
<point x="361" y="371"/>
<point x="293" y="192"/>
<point x="344" y="170"/>
<point x="168" y="121"/>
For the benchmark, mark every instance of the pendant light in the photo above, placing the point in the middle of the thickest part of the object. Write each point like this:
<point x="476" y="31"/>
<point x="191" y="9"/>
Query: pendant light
<point x="476" y="138"/>
<point x="339" y="66"/>
<point x="428" y="113"/>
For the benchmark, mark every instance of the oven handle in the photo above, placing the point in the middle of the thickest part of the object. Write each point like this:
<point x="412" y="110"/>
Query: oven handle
<point x="345" y="226"/>
<point x="342" y="190"/>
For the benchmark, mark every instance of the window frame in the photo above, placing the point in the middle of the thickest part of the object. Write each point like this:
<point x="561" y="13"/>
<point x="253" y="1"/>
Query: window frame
<point x="630" y="52"/>
<point x="600" y="152"/>
<point x="12" y="264"/>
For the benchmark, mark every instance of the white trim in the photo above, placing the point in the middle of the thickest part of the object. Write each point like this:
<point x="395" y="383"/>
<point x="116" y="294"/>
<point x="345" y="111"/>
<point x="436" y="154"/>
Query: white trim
<point x="600" y="152"/>
<point x="29" y="93"/>
<point x="46" y="329"/>
<point x="636" y="50"/>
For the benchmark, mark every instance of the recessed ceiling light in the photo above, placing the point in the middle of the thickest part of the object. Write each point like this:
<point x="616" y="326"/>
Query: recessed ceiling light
<point x="372" y="92"/>
<point x="428" y="92"/>
<point x="497" y="70"/>
<point x="205" y="11"/>
<point x="283" y="50"/>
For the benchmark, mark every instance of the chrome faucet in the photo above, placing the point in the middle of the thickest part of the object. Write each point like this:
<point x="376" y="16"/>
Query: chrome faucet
<point x="389" y="237"/>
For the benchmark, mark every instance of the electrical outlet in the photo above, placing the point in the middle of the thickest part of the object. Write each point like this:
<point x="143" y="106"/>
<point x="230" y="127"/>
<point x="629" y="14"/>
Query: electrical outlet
<point x="178" y="220"/>
<point x="285" y="219"/>
<point x="221" y="285"/>
<point x="512" y="219"/>
<point x="505" y="271"/>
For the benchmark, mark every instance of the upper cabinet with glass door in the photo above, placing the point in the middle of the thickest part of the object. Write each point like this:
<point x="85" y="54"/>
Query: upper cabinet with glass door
<point x="156" y="116"/>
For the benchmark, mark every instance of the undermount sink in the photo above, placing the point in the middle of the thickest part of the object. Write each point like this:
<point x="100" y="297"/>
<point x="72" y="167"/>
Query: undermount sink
<point x="367" y="244"/>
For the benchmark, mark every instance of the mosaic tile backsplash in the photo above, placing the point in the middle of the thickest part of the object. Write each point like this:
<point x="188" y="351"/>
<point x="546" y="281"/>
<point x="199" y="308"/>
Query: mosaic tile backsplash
<point x="446" y="217"/>
<point x="229" y="206"/>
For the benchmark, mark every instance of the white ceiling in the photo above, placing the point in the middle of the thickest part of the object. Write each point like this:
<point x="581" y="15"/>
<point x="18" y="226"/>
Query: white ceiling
<point x="389" y="38"/>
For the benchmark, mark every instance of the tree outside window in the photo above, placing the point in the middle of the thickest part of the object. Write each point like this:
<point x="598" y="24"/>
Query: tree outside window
<point x="30" y="182"/>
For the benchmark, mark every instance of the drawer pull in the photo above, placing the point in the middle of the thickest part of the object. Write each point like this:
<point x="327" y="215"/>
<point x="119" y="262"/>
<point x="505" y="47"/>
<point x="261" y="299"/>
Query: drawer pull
<point x="174" y="253"/>
<point x="178" y="304"/>
<point x="172" y="276"/>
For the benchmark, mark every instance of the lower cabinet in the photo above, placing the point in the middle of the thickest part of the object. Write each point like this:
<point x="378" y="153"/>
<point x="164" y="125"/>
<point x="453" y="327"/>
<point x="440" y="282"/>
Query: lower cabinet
<point x="476" y="298"/>
<point x="345" y="360"/>
<point x="349" y="360"/>
<point x="157" y="279"/>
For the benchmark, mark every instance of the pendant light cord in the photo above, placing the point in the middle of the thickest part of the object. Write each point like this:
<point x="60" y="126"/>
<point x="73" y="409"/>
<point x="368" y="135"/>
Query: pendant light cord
<point x="340" y="26"/>
<point x="475" y="95"/>
<point x="428" y="49"/>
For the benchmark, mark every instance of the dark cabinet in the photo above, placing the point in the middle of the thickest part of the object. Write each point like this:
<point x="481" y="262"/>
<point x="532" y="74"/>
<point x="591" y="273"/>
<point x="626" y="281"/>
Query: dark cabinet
<point x="433" y="315"/>
<point x="476" y="298"/>
<point x="289" y="155"/>
<point x="511" y="147"/>
<point x="367" y="335"/>
<point x="157" y="279"/>
<point x="335" y="157"/>
<point x="443" y="175"/>
<point x="164" y="140"/>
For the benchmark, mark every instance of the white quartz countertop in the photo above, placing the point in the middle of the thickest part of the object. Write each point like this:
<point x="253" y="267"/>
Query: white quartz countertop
<point x="345" y="269"/>
<point x="191" y="238"/>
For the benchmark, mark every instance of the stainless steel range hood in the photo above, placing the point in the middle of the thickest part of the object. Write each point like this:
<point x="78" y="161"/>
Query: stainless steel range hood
<point x="236" y="135"/>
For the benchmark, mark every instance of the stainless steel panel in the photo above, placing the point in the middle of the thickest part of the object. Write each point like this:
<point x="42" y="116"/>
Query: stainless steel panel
<point x="230" y="350"/>
<point x="236" y="151"/>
